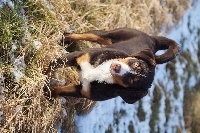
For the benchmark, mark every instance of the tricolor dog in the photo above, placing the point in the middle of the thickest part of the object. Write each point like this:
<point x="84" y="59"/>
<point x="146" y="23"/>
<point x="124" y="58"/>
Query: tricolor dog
<point x="125" y="67"/>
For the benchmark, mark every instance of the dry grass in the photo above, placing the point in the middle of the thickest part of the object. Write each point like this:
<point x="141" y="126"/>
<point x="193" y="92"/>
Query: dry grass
<point x="24" y="107"/>
<point x="146" y="15"/>
<point x="195" y="124"/>
<point x="192" y="111"/>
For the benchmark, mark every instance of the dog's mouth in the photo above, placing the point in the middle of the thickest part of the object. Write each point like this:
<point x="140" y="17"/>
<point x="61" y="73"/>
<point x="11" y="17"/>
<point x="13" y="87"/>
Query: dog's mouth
<point x="134" y="67"/>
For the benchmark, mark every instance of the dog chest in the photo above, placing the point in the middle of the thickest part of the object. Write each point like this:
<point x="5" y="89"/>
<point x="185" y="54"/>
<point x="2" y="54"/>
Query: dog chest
<point x="89" y="73"/>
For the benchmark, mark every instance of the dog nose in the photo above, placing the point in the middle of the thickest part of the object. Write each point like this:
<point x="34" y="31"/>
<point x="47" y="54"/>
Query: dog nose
<point x="115" y="67"/>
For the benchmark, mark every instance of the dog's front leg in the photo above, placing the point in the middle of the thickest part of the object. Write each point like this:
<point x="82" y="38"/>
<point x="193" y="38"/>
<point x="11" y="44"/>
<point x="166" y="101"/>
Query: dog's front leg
<point x="75" y="91"/>
<point x="66" y="91"/>
<point x="82" y="90"/>
<point x="87" y="37"/>
<point x="66" y="60"/>
<point x="71" y="59"/>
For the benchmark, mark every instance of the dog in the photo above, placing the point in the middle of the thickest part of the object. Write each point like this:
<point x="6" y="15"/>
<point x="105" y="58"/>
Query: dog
<point x="124" y="67"/>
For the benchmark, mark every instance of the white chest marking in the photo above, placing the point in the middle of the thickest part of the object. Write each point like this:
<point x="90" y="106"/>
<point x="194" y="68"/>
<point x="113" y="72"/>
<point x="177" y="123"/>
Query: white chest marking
<point x="100" y="73"/>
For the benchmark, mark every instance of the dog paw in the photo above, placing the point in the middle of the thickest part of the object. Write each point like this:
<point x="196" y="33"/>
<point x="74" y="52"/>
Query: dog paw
<point x="67" y="38"/>
<point x="49" y="91"/>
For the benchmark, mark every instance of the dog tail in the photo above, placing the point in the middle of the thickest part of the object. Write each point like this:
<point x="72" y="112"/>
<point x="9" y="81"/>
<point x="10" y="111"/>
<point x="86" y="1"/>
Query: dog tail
<point x="163" y="43"/>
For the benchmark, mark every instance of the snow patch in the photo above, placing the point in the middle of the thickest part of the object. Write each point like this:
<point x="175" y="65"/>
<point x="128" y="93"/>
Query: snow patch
<point x="37" y="44"/>
<point x="18" y="69"/>
<point x="2" y="98"/>
<point x="1" y="116"/>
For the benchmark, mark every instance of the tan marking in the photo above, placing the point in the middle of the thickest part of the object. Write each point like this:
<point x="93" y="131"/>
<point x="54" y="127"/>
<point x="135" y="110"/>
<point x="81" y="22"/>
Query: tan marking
<point x="63" y="89"/>
<point x="139" y="68"/>
<point x="118" y="80"/>
<point x="136" y="79"/>
<point x="89" y="37"/>
<point x="125" y="60"/>
<point x="82" y="58"/>
<point x="86" y="93"/>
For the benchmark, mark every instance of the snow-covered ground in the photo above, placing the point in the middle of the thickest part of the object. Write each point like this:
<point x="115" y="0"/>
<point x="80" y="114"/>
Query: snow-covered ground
<point x="116" y="116"/>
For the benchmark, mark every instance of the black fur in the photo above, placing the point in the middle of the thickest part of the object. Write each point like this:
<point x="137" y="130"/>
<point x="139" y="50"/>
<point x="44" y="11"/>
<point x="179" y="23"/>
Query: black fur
<point x="125" y="43"/>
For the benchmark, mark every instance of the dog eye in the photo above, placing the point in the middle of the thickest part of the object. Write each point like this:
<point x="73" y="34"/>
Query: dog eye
<point x="136" y="64"/>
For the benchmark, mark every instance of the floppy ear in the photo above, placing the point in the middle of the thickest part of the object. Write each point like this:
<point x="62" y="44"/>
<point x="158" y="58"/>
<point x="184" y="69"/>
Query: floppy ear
<point x="146" y="55"/>
<point x="131" y="97"/>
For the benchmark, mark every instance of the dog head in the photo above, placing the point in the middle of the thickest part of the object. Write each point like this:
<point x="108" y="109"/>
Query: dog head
<point x="134" y="71"/>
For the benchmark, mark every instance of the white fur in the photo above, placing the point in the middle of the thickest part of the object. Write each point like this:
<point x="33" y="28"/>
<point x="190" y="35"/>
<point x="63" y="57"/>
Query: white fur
<point x="100" y="73"/>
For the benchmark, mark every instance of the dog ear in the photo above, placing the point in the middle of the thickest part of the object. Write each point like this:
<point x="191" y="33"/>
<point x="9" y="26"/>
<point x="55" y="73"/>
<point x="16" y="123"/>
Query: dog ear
<point x="133" y="96"/>
<point x="146" y="55"/>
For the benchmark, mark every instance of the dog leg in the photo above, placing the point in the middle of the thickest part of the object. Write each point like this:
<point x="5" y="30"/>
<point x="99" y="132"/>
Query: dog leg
<point x="105" y="37"/>
<point x="74" y="91"/>
<point x="66" y="60"/>
<point x="118" y="35"/>
<point x="87" y="37"/>
<point x="133" y="96"/>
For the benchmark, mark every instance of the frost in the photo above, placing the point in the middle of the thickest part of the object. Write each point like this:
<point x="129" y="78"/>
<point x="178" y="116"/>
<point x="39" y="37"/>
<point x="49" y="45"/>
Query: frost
<point x="10" y="3"/>
<point x="18" y="108"/>
<point x="63" y="100"/>
<point x="19" y="66"/>
<point x="64" y="112"/>
<point x="1" y="114"/>
<point x="37" y="44"/>
<point x="14" y="47"/>
<point x="27" y="34"/>
<point x="64" y="51"/>
<point x="19" y="63"/>
<point x="2" y="98"/>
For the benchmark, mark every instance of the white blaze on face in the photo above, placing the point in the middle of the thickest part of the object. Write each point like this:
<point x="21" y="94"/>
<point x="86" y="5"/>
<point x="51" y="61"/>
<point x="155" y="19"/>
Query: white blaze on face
<point x="124" y="68"/>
